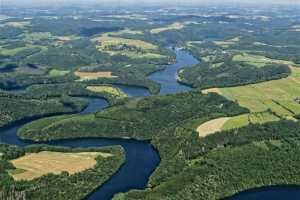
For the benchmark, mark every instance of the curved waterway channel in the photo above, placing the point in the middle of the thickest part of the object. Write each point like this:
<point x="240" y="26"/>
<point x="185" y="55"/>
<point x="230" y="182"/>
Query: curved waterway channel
<point x="141" y="157"/>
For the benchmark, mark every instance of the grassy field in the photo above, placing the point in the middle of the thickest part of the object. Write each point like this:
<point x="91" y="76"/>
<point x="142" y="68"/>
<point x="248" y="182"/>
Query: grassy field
<point x="35" y="165"/>
<point x="109" y="89"/>
<point x="216" y="65"/>
<point x="246" y="119"/>
<point x="57" y="73"/>
<point x="174" y="26"/>
<point x="267" y="101"/>
<point x="136" y="55"/>
<point x="67" y="38"/>
<point x="125" y="31"/>
<point x="93" y="75"/>
<point x="106" y="41"/>
<point x="278" y="95"/>
<point x="123" y="46"/>
<point x="227" y="43"/>
<point x="229" y="123"/>
<point x="258" y="60"/>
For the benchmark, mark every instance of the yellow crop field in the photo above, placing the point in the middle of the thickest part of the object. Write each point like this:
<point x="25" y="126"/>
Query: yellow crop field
<point x="212" y="126"/>
<point x="35" y="165"/>
<point x="93" y="75"/>
<point x="108" y="89"/>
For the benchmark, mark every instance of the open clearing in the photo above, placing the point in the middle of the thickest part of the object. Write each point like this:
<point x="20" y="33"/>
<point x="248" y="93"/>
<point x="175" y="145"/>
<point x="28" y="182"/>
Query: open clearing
<point x="266" y="101"/>
<point x="229" y="123"/>
<point x="57" y="73"/>
<point x="109" y="89"/>
<point x="125" y="31"/>
<point x="35" y="165"/>
<point x="280" y="96"/>
<point x="227" y="43"/>
<point x="258" y="60"/>
<point x="174" y="26"/>
<point x="134" y="49"/>
<point x="212" y="126"/>
<point x="136" y="55"/>
<point x="67" y="38"/>
<point x="251" y="118"/>
<point x="93" y="75"/>
<point x="106" y="41"/>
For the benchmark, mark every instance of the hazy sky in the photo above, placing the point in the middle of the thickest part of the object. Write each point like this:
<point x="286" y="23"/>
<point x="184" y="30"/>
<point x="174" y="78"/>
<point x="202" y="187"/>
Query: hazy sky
<point x="36" y="2"/>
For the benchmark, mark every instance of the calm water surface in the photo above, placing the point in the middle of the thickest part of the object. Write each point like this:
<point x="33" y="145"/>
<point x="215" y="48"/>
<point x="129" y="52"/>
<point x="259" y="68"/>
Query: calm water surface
<point x="141" y="158"/>
<point x="269" y="193"/>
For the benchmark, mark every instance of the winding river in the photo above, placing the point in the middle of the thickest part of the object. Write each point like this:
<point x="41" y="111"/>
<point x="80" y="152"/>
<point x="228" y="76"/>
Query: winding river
<point x="141" y="157"/>
<point x="269" y="193"/>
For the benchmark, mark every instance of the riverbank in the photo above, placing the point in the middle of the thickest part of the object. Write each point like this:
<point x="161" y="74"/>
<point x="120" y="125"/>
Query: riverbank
<point x="141" y="157"/>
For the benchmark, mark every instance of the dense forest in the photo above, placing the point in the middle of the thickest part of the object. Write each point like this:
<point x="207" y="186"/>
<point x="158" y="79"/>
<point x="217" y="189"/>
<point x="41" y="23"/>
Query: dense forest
<point x="186" y="158"/>
<point x="15" y="107"/>
<point x="135" y="117"/>
<point x="231" y="74"/>
<point x="51" y="58"/>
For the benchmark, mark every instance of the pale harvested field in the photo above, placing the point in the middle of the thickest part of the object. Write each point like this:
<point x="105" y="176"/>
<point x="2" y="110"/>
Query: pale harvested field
<point x="125" y="31"/>
<point x="212" y="126"/>
<point x="35" y="165"/>
<point x="277" y="96"/>
<point x="105" y="41"/>
<point x="109" y="89"/>
<point x="214" y="90"/>
<point x="93" y="75"/>
<point x="174" y="26"/>
<point x="67" y="38"/>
